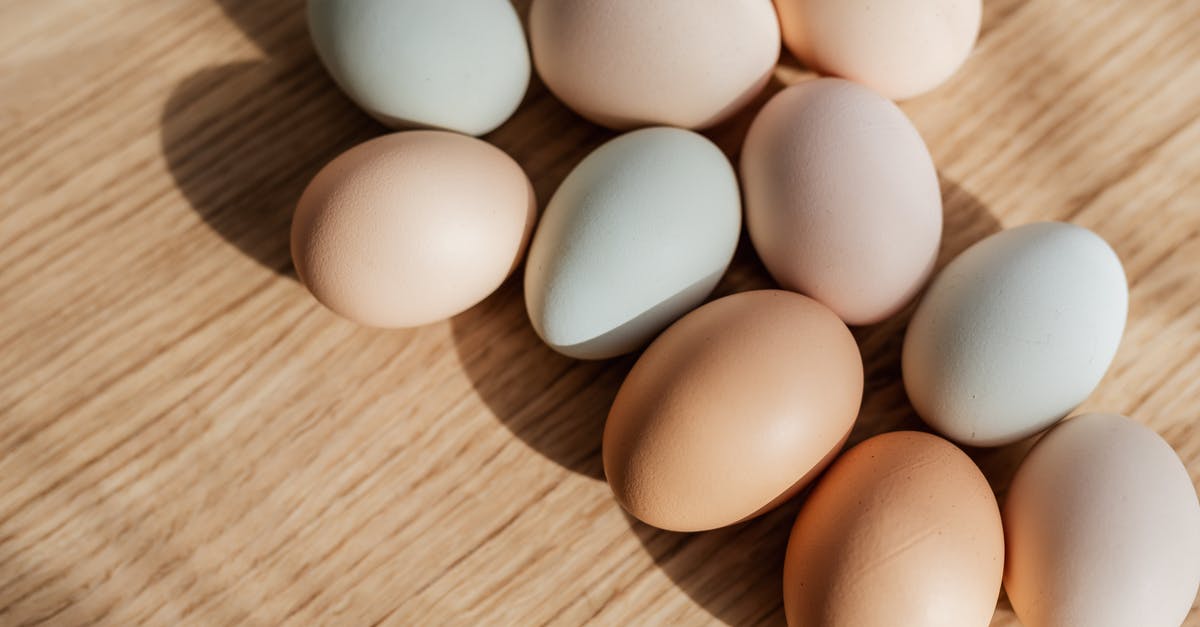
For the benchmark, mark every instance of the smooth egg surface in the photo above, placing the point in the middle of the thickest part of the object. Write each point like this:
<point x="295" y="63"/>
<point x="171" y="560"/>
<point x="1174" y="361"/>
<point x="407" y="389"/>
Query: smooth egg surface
<point x="460" y="65"/>
<point x="900" y="48"/>
<point x="732" y="410"/>
<point x="1103" y="528"/>
<point x="630" y="63"/>
<point x="638" y="234"/>
<point x="902" y="530"/>
<point x="842" y="198"/>
<point x="411" y="228"/>
<point x="1015" y="333"/>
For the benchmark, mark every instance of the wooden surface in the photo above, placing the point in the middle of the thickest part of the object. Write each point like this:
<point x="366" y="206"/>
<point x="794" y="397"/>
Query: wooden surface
<point x="188" y="438"/>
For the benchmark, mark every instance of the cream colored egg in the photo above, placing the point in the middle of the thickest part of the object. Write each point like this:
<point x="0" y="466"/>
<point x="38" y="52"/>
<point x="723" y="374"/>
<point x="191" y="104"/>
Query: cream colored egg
<point x="900" y="48"/>
<point x="411" y="228"/>
<point x="842" y="198"/>
<point x="630" y="63"/>
<point x="1103" y="528"/>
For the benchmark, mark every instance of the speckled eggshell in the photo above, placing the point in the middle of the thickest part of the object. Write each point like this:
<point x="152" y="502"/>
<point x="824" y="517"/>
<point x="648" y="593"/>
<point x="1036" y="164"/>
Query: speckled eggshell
<point x="900" y="48"/>
<point x="902" y="530"/>
<point x="1015" y="333"/>
<point x="1103" y="528"/>
<point x="460" y="65"/>
<point x="637" y="235"/>
<point x="411" y="228"/>
<point x="732" y="410"/>
<point x="842" y="198"/>
<point x="630" y="63"/>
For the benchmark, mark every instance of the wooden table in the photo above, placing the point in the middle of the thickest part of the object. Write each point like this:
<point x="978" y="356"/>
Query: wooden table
<point x="188" y="438"/>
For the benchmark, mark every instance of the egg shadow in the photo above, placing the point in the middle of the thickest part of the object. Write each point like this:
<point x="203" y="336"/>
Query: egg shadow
<point x="735" y="573"/>
<point x="242" y="140"/>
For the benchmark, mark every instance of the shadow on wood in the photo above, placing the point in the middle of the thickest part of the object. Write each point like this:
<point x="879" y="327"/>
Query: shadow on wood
<point x="243" y="140"/>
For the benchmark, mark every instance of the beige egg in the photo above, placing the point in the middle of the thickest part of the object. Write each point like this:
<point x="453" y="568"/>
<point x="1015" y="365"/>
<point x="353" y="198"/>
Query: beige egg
<point x="1103" y="528"/>
<point x="631" y="63"/>
<point x="411" y="228"/>
<point x="902" y="530"/>
<point x="900" y="48"/>
<point x="842" y="198"/>
<point x="732" y="410"/>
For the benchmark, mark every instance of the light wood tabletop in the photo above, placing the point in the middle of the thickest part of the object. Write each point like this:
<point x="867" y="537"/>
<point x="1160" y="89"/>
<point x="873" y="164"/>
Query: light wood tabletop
<point x="187" y="437"/>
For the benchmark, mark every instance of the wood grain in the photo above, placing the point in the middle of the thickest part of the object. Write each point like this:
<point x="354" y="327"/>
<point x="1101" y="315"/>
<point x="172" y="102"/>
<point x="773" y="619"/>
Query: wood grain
<point x="187" y="438"/>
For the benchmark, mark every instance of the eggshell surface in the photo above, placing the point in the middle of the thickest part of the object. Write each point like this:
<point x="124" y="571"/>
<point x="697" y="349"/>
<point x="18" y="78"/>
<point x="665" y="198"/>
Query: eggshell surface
<point x="900" y="48"/>
<point x="1015" y="333"/>
<point x="630" y="63"/>
<point x="638" y="234"/>
<point x="1103" y="528"/>
<point x="411" y="228"/>
<point x="902" y="530"/>
<point x="842" y="198"/>
<point x="732" y="410"/>
<point x="460" y="65"/>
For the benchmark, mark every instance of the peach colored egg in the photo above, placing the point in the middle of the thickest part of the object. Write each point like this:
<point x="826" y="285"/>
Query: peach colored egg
<point x="732" y="410"/>
<point x="900" y="48"/>
<point x="630" y="63"/>
<point x="842" y="198"/>
<point x="902" y="530"/>
<point x="411" y="228"/>
<point x="1103" y="528"/>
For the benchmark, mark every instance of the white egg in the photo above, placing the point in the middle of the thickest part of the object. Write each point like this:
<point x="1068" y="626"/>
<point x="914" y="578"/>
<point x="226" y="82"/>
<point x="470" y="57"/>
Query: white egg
<point x="638" y="234"/>
<point x="459" y="65"/>
<point x="1015" y="333"/>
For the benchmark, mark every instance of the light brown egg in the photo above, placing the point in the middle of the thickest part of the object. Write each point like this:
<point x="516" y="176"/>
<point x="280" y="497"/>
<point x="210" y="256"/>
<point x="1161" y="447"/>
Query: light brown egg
<point x="411" y="228"/>
<point x="732" y="410"/>
<point x="842" y="198"/>
<point x="630" y="63"/>
<point x="902" y="530"/>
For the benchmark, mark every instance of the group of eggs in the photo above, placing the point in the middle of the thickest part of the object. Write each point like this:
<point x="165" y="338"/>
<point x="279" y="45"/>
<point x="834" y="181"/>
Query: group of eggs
<point x="741" y="402"/>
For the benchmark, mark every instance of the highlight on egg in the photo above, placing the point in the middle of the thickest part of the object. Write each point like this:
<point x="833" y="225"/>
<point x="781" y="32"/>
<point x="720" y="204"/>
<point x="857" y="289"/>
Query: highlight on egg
<point x="459" y="65"/>
<point x="631" y="63"/>
<point x="1015" y="333"/>
<point x="842" y="198"/>
<point x="1103" y="528"/>
<point x="638" y="234"/>
<point x="411" y="228"/>
<point x="732" y="410"/>
<point x="900" y="48"/>
<point x="903" y="529"/>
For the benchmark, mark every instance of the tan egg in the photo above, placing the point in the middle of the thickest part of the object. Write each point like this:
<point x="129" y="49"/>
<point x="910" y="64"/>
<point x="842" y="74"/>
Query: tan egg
<point x="902" y="530"/>
<point x="1103" y="528"/>
<point x="842" y="198"/>
<point x="900" y="48"/>
<point x="631" y="63"/>
<point x="411" y="228"/>
<point x="732" y="410"/>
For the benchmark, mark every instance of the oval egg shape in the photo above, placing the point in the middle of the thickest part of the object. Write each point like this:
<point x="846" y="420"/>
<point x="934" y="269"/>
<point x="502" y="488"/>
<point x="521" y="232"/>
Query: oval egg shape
<point x="1103" y="528"/>
<point x="842" y="198"/>
<point x="637" y="234"/>
<point x="411" y="228"/>
<point x="900" y="48"/>
<point x="460" y="65"/>
<point x="732" y="410"/>
<point x="1015" y="333"/>
<point x="902" y="530"/>
<point x="630" y="63"/>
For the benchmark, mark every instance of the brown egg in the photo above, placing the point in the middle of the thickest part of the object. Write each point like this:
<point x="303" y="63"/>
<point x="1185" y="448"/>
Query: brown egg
<point x="732" y="410"/>
<point x="411" y="228"/>
<point x="902" y="530"/>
